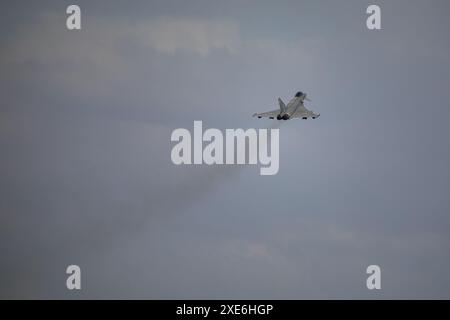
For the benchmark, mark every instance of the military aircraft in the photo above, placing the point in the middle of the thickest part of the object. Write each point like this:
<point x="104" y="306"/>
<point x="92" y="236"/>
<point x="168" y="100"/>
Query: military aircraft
<point x="294" y="109"/>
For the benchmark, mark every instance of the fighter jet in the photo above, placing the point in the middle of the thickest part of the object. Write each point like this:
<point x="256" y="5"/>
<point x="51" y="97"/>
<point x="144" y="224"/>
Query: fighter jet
<point x="294" y="109"/>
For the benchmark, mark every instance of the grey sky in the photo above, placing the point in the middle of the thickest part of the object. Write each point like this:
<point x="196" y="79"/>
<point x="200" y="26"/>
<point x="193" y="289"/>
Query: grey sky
<point x="86" y="175"/>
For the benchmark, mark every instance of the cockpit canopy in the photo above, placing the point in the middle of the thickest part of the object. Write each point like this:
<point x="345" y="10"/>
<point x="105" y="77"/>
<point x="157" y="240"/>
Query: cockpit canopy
<point x="299" y="94"/>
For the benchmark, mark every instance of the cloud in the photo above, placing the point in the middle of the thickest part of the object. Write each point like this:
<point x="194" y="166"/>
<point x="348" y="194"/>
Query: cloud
<point x="198" y="36"/>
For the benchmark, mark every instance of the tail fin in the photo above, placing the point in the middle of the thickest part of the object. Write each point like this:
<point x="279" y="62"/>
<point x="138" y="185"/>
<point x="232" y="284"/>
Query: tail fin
<point x="282" y="105"/>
